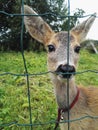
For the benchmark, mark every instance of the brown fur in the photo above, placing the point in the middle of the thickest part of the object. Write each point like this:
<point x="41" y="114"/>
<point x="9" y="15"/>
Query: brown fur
<point x="87" y="104"/>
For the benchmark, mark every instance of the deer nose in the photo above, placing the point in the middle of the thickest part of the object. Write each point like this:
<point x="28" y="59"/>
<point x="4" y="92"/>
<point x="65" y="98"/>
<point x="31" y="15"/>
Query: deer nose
<point x="66" y="70"/>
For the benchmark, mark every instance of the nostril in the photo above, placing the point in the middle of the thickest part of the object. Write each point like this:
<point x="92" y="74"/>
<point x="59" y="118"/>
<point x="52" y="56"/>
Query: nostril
<point x="71" y="69"/>
<point x="62" y="68"/>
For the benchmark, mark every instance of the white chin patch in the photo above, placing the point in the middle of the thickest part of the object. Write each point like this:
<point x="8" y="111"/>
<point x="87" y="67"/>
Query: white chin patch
<point x="61" y="78"/>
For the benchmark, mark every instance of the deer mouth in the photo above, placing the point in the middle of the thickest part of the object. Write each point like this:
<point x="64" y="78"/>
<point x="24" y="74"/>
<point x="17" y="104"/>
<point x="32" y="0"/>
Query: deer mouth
<point x="66" y="75"/>
<point x="65" y="71"/>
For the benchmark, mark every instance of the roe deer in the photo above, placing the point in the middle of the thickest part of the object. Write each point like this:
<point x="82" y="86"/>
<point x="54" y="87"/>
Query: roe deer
<point x="82" y="101"/>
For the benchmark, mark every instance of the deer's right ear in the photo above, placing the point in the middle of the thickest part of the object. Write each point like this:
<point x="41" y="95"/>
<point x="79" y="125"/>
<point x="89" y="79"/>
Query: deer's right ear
<point x="36" y="26"/>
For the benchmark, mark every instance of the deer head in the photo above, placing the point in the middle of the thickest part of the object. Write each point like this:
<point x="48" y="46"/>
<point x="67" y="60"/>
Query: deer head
<point x="56" y="44"/>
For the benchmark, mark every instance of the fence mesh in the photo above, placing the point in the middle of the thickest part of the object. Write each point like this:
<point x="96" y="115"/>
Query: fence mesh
<point x="27" y="75"/>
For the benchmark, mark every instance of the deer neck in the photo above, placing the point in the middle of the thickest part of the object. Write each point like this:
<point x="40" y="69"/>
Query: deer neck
<point x="61" y="89"/>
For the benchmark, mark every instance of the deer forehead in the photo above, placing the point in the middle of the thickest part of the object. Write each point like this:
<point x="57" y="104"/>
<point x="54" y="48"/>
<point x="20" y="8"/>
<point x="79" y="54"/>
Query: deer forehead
<point x="63" y="39"/>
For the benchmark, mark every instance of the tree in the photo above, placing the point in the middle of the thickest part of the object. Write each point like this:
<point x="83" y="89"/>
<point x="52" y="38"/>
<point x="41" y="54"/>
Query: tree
<point x="73" y="20"/>
<point x="10" y="26"/>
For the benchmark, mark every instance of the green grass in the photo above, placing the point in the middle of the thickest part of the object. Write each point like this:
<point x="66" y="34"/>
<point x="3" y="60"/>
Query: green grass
<point x="88" y="61"/>
<point x="13" y="89"/>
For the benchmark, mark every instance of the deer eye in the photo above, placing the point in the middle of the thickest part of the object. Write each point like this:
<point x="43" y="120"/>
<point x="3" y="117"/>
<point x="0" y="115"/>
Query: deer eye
<point x="77" y="49"/>
<point x="51" y="48"/>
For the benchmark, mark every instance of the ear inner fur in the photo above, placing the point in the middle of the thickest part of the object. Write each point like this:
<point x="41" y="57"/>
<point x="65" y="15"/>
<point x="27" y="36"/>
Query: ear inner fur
<point x="36" y="26"/>
<point x="81" y="30"/>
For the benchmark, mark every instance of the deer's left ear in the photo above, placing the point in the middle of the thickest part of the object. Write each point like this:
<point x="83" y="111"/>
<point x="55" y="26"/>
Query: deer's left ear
<point x="81" y="31"/>
<point x="36" y="26"/>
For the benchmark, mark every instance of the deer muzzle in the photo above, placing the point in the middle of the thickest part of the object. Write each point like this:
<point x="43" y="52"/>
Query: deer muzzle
<point x="65" y="71"/>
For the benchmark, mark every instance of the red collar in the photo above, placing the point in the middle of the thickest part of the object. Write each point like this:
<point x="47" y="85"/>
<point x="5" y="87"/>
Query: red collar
<point x="60" y="110"/>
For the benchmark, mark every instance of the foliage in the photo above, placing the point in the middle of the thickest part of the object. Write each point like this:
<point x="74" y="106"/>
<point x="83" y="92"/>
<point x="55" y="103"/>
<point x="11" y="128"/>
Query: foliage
<point x="73" y="20"/>
<point x="14" y="94"/>
<point x="11" y="25"/>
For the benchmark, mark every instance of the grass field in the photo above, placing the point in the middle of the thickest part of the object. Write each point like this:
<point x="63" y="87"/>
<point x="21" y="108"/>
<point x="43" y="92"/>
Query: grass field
<point x="14" y="94"/>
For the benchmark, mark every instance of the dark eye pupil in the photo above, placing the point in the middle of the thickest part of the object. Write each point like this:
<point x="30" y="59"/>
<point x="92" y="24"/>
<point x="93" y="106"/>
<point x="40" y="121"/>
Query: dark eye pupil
<point x="77" y="49"/>
<point x="51" y="48"/>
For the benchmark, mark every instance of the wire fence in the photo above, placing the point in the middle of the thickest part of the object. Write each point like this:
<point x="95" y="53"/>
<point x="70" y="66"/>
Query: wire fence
<point x="27" y="75"/>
